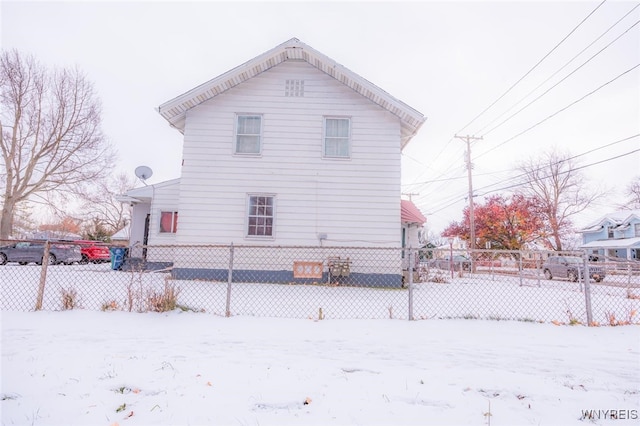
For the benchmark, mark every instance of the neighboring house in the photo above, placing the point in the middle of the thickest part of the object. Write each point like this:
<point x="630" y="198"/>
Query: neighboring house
<point x="412" y="221"/>
<point x="290" y="148"/>
<point x="121" y="237"/>
<point x="615" y="235"/>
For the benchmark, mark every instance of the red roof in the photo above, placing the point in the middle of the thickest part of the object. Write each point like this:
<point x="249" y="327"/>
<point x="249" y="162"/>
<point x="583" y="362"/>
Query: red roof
<point x="409" y="213"/>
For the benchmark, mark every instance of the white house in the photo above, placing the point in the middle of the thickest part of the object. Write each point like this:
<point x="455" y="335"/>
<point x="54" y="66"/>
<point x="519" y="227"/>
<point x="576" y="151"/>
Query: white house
<point x="289" y="148"/>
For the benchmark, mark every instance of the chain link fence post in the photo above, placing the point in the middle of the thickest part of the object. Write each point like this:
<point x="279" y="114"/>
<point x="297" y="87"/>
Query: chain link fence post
<point x="43" y="275"/>
<point x="587" y="288"/>
<point x="520" y="267"/>
<point x="229" y="280"/>
<point x="410" y="283"/>
<point x="539" y="261"/>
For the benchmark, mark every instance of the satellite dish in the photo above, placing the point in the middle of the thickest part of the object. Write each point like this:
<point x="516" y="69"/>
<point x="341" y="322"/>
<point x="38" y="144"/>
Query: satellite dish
<point x="143" y="173"/>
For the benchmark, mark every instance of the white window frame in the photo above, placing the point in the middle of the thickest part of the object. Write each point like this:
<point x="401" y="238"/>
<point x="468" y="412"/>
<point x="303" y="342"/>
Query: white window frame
<point x="325" y="138"/>
<point x="237" y="135"/>
<point x="174" y="222"/>
<point x="258" y="215"/>
<point x="636" y="231"/>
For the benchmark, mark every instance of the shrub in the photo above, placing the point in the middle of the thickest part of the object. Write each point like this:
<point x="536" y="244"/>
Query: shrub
<point x="165" y="300"/>
<point x="109" y="306"/>
<point x="69" y="298"/>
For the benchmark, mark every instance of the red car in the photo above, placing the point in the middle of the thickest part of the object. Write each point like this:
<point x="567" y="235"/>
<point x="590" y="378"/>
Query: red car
<point x="94" y="251"/>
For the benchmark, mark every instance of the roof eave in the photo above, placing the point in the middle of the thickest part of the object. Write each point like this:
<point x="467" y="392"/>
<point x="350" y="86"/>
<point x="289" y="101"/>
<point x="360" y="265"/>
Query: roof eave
<point x="174" y="110"/>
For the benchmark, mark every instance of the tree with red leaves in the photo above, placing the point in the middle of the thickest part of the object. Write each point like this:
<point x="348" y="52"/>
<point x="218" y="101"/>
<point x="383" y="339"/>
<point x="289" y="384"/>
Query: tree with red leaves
<point x="505" y="223"/>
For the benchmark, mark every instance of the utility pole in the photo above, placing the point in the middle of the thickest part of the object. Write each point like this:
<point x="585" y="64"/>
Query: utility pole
<point x="410" y="194"/>
<point x="472" y="224"/>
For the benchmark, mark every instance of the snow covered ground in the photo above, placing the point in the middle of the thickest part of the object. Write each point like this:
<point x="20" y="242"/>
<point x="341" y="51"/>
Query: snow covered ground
<point x="183" y="368"/>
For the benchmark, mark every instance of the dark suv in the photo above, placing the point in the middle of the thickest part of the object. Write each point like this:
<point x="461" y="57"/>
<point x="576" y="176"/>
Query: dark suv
<point x="570" y="267"/>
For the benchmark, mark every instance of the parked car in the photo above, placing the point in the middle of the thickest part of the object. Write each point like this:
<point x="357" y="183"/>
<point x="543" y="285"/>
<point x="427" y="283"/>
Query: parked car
<point x="571" y="268"/>
<point x="94" y="251"/>
<point x="460" y="263"/>
<point x="24" y="252"/>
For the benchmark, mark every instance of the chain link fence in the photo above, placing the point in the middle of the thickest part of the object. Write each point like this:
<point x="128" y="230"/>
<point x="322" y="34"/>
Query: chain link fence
<point x="333" y="282"/>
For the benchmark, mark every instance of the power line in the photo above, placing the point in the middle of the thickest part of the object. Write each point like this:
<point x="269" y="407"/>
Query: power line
<point x="517" y="82"/>
<point x="464" y="197"/>
<point x="533" y="68"/>
<point x="568" y="171"/>
<point x="563" y="67"/>
<point x="558" y="83"/>
<point x="570" y="158"/>
<point x="453" y="178"/>
<point x="560" y="110"/>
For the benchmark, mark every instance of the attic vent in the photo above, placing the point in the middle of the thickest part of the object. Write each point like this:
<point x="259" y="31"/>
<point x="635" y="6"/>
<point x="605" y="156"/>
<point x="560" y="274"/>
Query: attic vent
<point x="294" y="88"/>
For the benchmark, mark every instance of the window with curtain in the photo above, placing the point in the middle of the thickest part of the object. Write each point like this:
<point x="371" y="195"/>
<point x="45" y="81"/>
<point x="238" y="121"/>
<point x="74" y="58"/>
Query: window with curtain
<point x="336" y="137"/>
<point x="261" y="216"/>
<point x="168" y="222"/>
<point x="248" y="134"/>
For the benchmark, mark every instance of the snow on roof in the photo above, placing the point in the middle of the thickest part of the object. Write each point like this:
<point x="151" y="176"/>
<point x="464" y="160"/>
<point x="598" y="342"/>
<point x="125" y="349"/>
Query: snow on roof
<point x="122" y="234"/>
<point x="619" y="218"/>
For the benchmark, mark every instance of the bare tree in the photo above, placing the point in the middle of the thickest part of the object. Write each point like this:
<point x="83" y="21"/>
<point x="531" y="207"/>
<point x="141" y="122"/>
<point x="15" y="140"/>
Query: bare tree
<point x="101" y="206"/>
<point x="50" y="132"/>
<point x="561" y="192"/>
<point x="633" y="192"/>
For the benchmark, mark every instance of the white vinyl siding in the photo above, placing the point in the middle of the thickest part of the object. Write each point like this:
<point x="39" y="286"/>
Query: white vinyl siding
<point x="355" y="202"/>
<point x="248" y="134"/>
<point x="336" y="137"/>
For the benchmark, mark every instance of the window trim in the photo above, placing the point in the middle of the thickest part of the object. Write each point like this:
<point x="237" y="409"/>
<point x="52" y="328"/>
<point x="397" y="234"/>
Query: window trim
<point x="248" y="216"/>
<point x="324" y="138"/>
<point x="174" y="222"/>
<point x="235" y="135"/>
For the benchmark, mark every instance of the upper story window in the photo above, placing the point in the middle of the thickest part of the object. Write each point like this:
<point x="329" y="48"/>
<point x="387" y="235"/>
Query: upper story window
<point x="337" y="137"/>
<point x="610" y="232"/>
<point x="636" y="230"/>
<point x="261" y="216"/>
<point x="248" y="134"/>
<point x="168" y="222"/>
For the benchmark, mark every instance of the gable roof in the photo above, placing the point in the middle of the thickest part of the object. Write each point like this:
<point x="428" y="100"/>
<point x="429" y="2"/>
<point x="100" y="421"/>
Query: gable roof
<point x="174" y="111"/>
<point x="621" y="219"/>
<point x="410" y="213"/>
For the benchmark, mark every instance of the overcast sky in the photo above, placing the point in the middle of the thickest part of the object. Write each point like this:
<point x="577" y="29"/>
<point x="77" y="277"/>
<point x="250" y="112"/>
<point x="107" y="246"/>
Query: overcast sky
<point x="449" y="60"/>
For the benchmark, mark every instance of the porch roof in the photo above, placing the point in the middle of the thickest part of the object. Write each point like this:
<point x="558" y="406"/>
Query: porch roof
<point x="622" y="243"/>
<point x="410" y="213"/>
